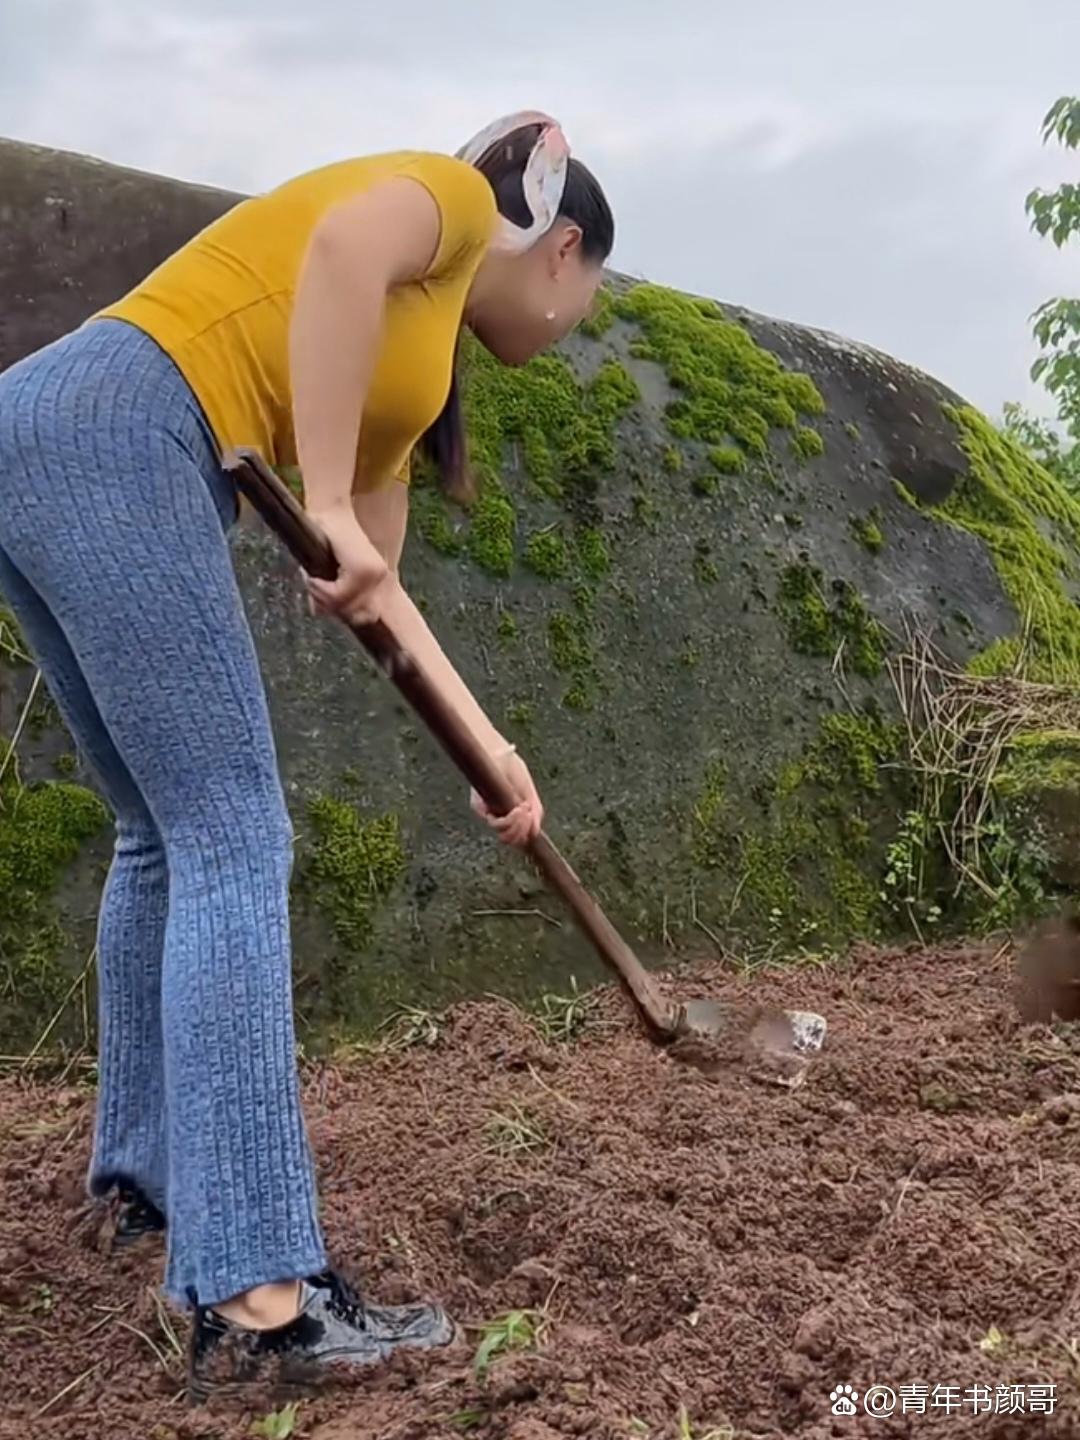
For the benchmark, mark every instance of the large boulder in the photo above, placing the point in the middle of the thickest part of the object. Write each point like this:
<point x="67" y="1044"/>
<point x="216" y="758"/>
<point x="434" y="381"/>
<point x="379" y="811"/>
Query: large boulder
<point x="700" y="535"/>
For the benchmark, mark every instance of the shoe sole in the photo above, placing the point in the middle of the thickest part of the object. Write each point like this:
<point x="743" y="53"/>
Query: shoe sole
<point x="313" y="1379"/>
<point x="123" y="1242"/>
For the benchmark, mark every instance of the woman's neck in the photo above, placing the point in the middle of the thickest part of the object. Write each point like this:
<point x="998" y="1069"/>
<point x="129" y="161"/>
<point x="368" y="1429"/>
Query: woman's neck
<point x="490" y="281"/>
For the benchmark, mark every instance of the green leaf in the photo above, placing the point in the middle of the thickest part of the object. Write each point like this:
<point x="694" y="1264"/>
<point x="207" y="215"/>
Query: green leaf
<point x="279" y="1425"/>
<point x="492" y="1342"/>
<point x="467" y="1419"/>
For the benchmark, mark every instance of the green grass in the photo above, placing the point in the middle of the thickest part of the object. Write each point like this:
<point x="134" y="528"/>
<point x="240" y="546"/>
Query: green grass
<point x="516" y="1330"/>
<point x="514" y="1132"/>
<point x="562" y="1018"/>
<point x="279" y="1425"/>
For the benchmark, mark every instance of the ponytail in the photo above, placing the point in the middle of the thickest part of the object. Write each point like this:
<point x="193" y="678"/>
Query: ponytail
<point x="444" y="444"/>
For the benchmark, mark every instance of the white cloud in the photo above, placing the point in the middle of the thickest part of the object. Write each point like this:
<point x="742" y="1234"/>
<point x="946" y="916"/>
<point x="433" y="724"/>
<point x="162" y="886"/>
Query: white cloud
<point x="832" y="163"/>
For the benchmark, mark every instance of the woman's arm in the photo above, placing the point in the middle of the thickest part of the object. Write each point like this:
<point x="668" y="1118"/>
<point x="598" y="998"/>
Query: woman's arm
<point x="358" y="252"/>
<point x="383" y="516"/>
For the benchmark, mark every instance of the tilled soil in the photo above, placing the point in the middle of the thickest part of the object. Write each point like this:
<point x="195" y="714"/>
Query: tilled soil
<point x="707" y="1257"/>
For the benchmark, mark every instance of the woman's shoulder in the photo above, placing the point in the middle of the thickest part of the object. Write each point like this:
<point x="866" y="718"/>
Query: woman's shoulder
<point x="464" y="197"/>
<point x="353" y="172"/>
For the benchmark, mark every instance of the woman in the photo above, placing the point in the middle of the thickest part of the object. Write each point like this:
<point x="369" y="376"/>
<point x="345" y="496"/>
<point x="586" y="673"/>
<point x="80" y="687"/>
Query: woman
<point x="318" y="323"/>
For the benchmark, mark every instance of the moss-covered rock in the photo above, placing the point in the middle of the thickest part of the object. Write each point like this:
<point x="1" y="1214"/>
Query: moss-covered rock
<point x="547" y="555"/>
<point x="807" y="443"/>
<point x="824" y="624"/>
<point x="809" y="871"/>
<point x="354" y="864"/>
<point x="13" y="647"/>
<point x="868" y="532"/>
<point x="1038" y="789"/>
<point x="43" y="828"/>
<point x="727" y="387"/>
<point x="697" y="542"/>
<point x="602" y="316"/>
<point x="1030" y="524"/>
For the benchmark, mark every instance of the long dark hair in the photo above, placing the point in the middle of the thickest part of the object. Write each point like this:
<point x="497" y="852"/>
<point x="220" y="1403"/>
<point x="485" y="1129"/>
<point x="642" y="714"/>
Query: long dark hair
<point x="585" y="205"/>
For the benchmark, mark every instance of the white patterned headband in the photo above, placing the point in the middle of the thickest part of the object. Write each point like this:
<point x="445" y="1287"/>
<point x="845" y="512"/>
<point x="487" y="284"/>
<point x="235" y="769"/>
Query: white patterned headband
<point x="544" y="180"/>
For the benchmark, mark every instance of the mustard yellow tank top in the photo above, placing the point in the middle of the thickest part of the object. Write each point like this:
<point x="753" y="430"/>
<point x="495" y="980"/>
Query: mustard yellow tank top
<point x="220" y="307"/>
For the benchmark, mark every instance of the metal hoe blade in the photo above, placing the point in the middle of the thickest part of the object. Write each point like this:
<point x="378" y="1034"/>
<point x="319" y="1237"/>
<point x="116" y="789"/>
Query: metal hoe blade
<point x="776" y="1045"/>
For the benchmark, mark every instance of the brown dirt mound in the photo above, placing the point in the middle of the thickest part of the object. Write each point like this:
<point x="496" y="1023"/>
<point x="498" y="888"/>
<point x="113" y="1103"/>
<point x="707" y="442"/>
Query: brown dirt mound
<point x="709" y="1259"/>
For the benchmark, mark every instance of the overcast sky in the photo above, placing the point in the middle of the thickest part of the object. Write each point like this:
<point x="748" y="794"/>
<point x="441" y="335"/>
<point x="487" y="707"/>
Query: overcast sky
<point x="845" y="163"/>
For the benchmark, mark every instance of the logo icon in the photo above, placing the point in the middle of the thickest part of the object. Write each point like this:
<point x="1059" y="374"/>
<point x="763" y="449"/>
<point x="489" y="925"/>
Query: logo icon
<point x="843" y="1400"/>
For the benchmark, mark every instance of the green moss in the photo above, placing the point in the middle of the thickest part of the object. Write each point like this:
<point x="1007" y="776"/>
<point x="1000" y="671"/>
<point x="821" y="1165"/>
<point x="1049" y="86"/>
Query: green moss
<point x="578" y="696"/>
<point x="45" y="716"/>
<point x="43" y="826"/>
<point x="801" y="603"/>
<point x="806" y="866"/>
<point x="568" y="641"/>
<point x="673" y="460"/>
<point x="852" y="431"/>
<point x="1001" y="657"/>
<point x="1041" y="740"/>
<point x="643" y="508"/>
<point x="864" y="637"/>
<point x="546" y="554"/>
<point x="1030" y="523"/>
<point x="729" y="387"/>
<point x="908" y="496"/>
<point x="848" y="750"/>
<point x="66" y="765"/>
<point x="727" y="460"/>
<point x="610" y="394"/>
<point x="583" y="596"/>
<point x="602" y="316"/>
<point x="1041" y="760"/>
<point x="868" y="532"/>
<point x="521" y="713"/>
<point x="807" y="443"/>
<point x="706" y="813"/>
<point x="507" y="628"/>
<point x="1031" y="837"/>
<point x="355" y="863"/>
<point x="429" y="512"/>
<point x="593" y="554"/>
<point x="566" y="429"/>
<point x="705" y="567"/>
<point x="803" y="394"/>
<point x="817" y="628"/>
<point x="570" y="646"/>
<point x="13" y="648"/>
<point x="705" y="485"/>
<point x="491" y="533"/>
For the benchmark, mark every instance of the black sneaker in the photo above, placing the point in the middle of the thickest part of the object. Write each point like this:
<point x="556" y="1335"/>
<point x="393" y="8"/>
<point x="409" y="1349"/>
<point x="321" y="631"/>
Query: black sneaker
<point x="136" y="1218"/>
<point x="334" y="1328"/>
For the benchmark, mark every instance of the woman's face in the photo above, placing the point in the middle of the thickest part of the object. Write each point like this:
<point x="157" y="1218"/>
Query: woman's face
<point x="541" y="297"/>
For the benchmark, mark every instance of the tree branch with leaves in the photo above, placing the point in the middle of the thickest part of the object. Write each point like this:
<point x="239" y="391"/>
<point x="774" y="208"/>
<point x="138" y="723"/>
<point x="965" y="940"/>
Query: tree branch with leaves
<point x="1055" y="214"/>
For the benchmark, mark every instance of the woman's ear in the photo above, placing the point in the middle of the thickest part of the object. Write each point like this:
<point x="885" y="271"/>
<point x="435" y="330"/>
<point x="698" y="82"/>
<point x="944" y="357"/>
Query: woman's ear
<point x="568" y="242"/>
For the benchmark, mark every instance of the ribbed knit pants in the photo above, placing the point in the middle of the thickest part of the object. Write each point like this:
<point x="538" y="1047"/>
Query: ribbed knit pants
<point x="114" y="516"/>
